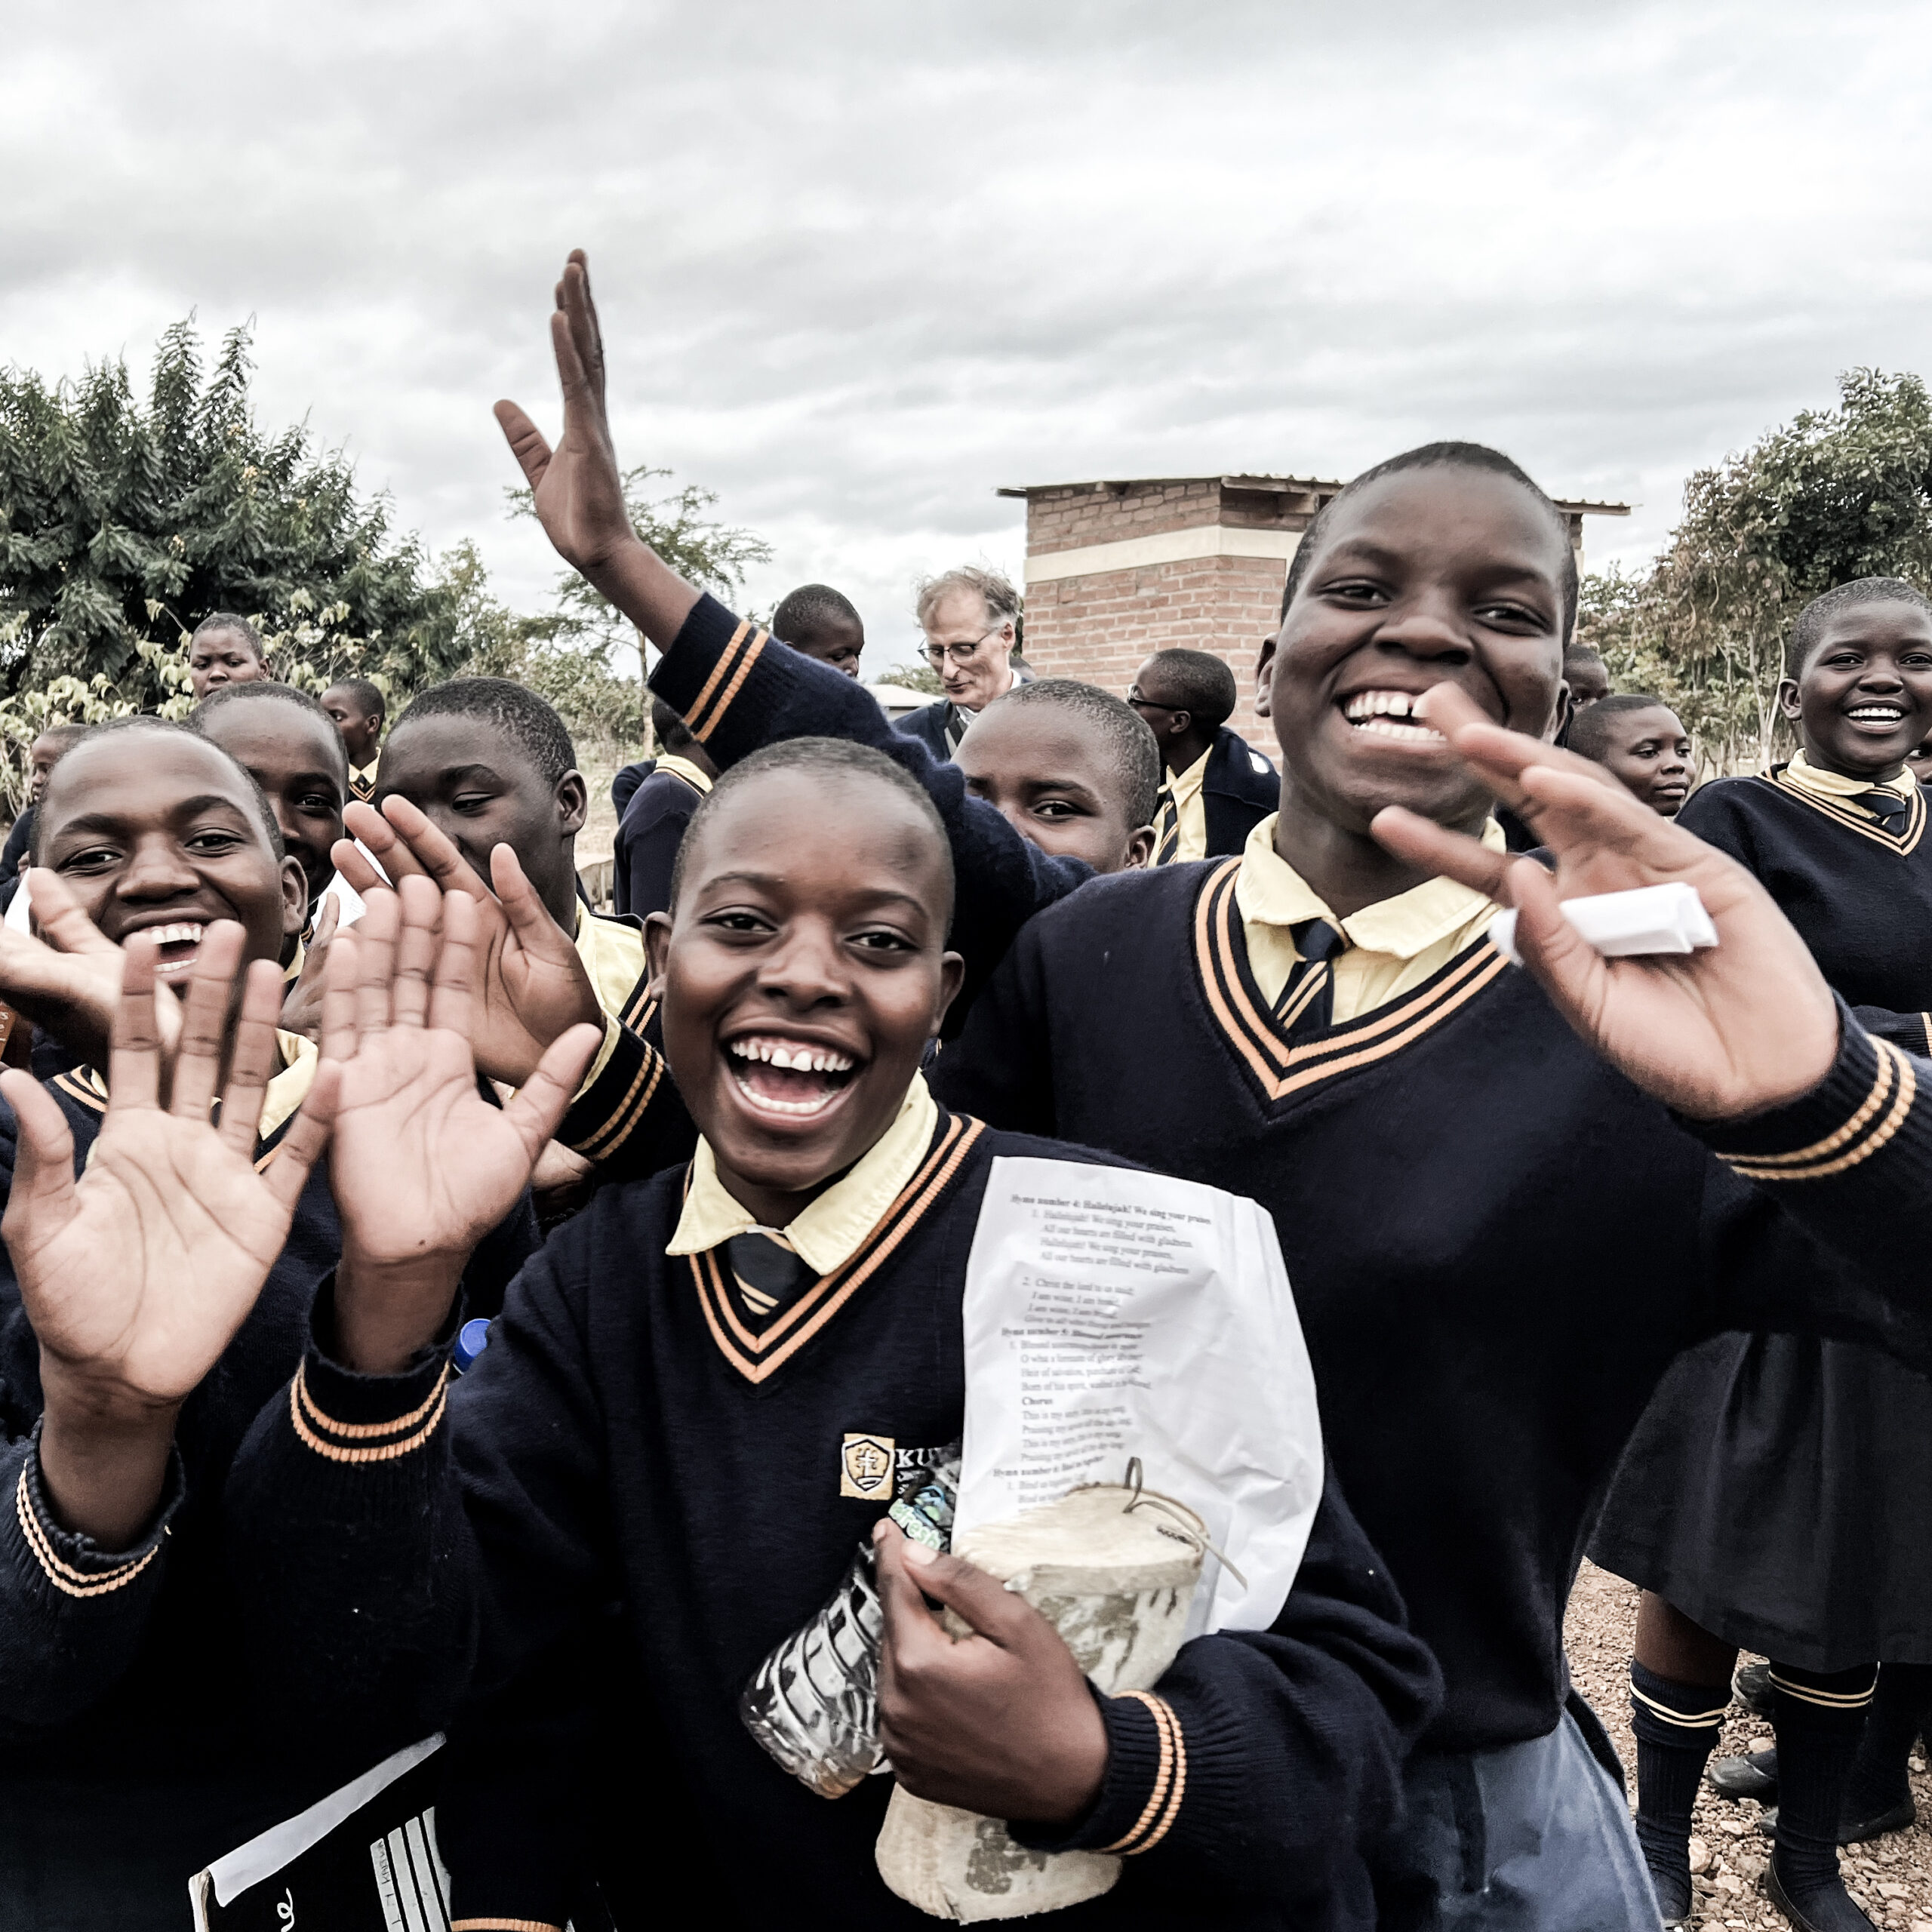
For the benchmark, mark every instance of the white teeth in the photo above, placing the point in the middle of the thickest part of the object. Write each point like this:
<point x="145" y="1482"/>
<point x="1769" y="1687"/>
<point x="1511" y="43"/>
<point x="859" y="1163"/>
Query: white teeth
<point x="183" y="932"/>
<point x="1885" y="712"/>
<point x="1381" y="704"/>
<point x="816" y="1104"/>
<point x="1387" y="727"/>
<point x="794" y="1056"/>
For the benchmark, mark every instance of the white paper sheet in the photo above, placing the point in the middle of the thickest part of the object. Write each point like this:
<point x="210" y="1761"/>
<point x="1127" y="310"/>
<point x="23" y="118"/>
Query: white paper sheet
<point x="1626" y="925"/>
<point x="1110" y="1314"/>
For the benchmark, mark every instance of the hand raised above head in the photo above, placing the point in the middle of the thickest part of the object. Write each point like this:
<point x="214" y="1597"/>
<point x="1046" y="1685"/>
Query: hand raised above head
<point x="577" y="489"/>
<point x="531" y="987"/>
<point x="136" y="1277"/>
<point x="422" y="1165"/>
<point x="1732" y="1030"/>
<point x="1000" y="1722"/>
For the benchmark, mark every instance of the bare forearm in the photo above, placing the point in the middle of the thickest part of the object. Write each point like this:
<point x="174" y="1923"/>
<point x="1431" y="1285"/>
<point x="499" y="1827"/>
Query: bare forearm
<point x="104" y="1468"/>
<point x="385" y="1313"/>
<point x="648" y="592"/>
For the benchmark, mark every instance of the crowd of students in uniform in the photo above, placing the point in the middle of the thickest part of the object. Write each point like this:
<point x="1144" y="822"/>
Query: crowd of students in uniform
<point x="330" y="1059"/>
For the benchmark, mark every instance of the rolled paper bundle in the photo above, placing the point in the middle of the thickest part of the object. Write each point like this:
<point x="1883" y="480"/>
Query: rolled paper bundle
<point x="1621" y="925"/>
<point x="1117" y="1582"/>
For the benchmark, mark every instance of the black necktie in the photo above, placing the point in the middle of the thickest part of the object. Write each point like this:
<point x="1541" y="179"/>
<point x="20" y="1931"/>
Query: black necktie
<point x="1166" y="829"/>
<point x="769" y="1273"/>
<point x="1887" y="807"/>
<point x="1307" y="1003"/>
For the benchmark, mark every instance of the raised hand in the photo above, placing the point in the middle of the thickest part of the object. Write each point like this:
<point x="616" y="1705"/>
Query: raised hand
<point x="301" y="1007"/>
<point x="1732" y="1030"/>
<point x="1001" y="1722"/>
<point x="577" y="488"/>
<point x="68" y="980"/>
<point x="422" y="1165"/>
<point x="136" y="1277"/>
<point x="531" y="987"/>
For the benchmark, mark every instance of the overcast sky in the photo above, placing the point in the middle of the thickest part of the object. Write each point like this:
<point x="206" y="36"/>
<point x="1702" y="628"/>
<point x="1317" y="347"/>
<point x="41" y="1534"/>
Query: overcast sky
<point x="861" y="261"/>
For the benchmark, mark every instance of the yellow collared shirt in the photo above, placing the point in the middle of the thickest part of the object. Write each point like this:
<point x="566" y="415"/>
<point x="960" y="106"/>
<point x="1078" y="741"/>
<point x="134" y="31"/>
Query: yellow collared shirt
<point x="1802" y="775"/>
<point x="1394" y="946"/>
<point x="1190" y="808"/>
<point x="830" y="1230"/>
<point x="682" y="767"/>
<point x="612" y="955"/>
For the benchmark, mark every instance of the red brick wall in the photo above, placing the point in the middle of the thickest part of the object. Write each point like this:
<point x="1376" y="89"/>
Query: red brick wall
<point x="1082" y="513"/>
<point x="1100" y="628"/>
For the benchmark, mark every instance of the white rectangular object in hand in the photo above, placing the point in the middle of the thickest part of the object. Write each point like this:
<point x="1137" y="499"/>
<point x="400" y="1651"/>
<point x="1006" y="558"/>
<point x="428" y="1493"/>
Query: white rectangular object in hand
<point x="1623" y="925"/>
<point x="1110" y="1314"/>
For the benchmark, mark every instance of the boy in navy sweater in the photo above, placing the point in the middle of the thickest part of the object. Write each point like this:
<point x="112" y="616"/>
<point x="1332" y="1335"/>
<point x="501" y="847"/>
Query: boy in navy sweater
<point x="478" y="788"/>
<point x="658" y="1419"/>
<point x="139" y="1742"/>
<point x="1342" y="1041"/>
<point x="1761" y="1499"/>
<point x="653" y="818"/>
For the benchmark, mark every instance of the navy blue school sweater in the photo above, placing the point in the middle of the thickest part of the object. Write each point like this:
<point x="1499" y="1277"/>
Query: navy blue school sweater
<point x="627" y="1439"/>
<point x="143" y="1732"/>
<point x="649" y="833"/>
<point x="1860" y="895"/>
<point x="1239" y="789"/>
<point x="1497" y="1243"/>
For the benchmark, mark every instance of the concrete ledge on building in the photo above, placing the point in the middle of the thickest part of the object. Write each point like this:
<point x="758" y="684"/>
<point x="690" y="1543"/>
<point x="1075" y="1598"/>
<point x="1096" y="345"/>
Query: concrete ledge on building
<point x="1167" y="546"/>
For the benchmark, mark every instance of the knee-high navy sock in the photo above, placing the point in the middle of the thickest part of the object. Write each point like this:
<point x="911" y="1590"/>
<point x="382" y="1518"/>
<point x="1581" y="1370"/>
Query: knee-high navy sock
<point x="1676" y="1724"/>
<point x="1899" y="1708"/>
<point x="1819" y="1716"/>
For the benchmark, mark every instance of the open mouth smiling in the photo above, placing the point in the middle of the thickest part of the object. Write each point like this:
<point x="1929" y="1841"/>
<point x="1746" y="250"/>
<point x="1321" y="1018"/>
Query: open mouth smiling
<point x="1887" y="717"/>
<point x="177" y="946"/>
<point x="1388" y="714"/>
<point x="793" y="1079"/>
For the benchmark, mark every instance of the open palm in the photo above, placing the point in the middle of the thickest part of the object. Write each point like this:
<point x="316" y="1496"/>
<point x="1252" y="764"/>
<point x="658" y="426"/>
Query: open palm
<point x="136" y="1277"/>
<point x="1745" y="1026"/>
<point x="422" y="1165"/>
<point x="529" y="987"/>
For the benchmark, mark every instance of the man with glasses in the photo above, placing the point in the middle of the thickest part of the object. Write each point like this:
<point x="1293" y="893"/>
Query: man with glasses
<point x="970" y="618"/>
<point x="1218" y="786"/>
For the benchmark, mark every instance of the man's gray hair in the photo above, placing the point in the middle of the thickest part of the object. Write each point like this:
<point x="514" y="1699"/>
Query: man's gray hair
<point x="1001" y="600"/>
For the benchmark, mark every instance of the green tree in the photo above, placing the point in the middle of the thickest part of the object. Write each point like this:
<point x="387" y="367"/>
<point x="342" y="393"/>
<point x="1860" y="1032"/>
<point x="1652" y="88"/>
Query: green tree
<point x="1834" y="495"/>
<point x="123" y="522"/>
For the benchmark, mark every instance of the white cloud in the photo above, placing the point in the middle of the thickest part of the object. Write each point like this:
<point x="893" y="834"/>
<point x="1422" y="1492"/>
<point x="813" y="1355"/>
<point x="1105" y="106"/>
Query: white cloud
<point x="861" y="262"/>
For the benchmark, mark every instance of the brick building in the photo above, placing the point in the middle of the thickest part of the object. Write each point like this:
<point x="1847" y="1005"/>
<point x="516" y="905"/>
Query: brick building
<point x="1116" y="570"/>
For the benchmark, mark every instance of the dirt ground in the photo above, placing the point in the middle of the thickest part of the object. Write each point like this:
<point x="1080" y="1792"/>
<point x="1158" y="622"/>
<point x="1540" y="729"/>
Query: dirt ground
<point x="1891" y="1877"/>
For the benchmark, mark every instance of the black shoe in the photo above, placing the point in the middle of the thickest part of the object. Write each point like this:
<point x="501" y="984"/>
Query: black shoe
<point x="1755" y="1776"/>
<point x="1829" y="1908"/>
<point x="1751" y="1687"/>
<point x="1853" y="1831"/>
<point x="1896" y="1818"/>
<point x="1676" y="1904"/>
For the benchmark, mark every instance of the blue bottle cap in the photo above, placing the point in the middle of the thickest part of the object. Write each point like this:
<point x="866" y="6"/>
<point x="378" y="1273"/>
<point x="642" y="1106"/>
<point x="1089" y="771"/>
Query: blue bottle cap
<point x="471" y="1339"/>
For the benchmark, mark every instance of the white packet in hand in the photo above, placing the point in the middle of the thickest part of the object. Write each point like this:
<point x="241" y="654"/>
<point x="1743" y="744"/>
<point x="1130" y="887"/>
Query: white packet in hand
<point x="1621" y="925"/>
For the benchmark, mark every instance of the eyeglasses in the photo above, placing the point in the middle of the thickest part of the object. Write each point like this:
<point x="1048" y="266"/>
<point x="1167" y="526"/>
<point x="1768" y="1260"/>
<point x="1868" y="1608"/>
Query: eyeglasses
<point x="1140" y="704"/>
<point x="961" y="653"/>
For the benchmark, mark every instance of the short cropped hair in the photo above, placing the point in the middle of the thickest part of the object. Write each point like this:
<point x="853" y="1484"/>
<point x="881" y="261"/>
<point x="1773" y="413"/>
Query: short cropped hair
<point x="830" y="758"/>
<point x="265" y="690"/>
<point x="264" y="814"/>
<point x="1203" y="683"/>
<point x="230" y="621"/>
<point x="806" y="611"/>
<point x="1001" y="600"/>
<point x="1584" y="654"/>
<point x="367" y="698"/>
<point x="66" y="736"/>
<point x="523" y="718"/>
<point x="1808" y="631"/>
<point x="670" y="731"/>
<point x="1133" y="750"/>
<point x="1441" y="456"/>
<point x="1589" y="729"/>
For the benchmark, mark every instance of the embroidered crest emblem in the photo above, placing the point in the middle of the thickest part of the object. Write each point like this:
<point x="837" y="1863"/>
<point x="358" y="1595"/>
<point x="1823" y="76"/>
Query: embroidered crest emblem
<point x="866" y="1467"/>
